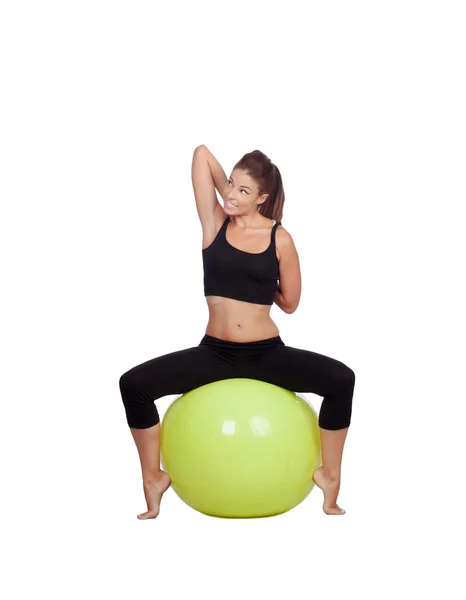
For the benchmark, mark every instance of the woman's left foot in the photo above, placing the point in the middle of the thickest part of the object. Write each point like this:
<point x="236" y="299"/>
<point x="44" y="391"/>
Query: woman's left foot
<point x="330" y="486"/>
<point x="153" y="492"/>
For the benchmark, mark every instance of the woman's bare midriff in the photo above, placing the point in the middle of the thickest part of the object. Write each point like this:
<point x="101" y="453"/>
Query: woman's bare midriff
<point x="235" y="320"/>
<point x="238" y="321"/>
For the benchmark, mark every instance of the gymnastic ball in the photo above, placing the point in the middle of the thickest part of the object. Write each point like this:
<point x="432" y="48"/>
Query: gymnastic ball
<point x="241" y="448"/>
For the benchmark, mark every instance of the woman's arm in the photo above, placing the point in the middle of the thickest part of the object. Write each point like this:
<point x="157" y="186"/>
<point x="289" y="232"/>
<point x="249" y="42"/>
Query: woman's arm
<point x="280" y="301"/>
<point x="218" y="174"/>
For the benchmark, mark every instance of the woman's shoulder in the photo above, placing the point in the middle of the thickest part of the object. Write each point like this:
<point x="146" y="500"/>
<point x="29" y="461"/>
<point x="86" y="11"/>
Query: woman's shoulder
<point x="283" y="236"/>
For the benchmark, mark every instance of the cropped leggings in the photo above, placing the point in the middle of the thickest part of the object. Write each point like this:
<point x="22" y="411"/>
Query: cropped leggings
<point x="214" y="359"/>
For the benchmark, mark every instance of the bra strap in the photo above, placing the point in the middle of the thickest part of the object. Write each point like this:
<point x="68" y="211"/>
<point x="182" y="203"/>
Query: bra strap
<point x="274" y="230"/>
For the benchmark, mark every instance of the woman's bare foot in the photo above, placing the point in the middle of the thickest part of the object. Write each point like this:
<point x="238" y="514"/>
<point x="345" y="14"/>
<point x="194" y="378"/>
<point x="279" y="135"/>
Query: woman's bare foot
<point x="330" y="486"/>
<point x="153" y="492"/>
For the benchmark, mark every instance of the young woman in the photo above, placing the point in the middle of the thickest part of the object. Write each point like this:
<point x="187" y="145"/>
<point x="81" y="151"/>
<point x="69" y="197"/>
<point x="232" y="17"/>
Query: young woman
<point x="250" y="262"/>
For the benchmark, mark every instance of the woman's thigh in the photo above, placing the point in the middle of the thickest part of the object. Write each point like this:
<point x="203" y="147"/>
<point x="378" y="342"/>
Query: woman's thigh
<point x="301" y="370"/>
<point x="176" y="373"/>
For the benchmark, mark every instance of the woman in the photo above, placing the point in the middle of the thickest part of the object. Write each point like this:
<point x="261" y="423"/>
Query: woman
<point x="249" y="262"/>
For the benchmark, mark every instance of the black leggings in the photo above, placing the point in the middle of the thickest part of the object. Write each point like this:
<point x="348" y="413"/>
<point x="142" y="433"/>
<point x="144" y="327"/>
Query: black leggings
<point x="214" y="359"/>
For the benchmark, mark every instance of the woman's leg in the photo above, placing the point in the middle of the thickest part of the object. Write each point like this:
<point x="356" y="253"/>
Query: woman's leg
<point x="305" y="371"/>
<point x="155" y="481"/>
<point x="173" y="373"/>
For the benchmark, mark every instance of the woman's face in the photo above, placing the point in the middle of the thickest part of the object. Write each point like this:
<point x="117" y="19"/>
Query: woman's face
<point x="241" y="193"/>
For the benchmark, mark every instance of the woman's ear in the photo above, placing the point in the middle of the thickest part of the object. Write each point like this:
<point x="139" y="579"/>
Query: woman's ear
<point x="262" y="199"/>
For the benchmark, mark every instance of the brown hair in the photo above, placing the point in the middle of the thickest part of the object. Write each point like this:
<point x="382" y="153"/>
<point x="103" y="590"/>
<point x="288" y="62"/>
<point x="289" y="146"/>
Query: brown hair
<point x="268" y="178"/>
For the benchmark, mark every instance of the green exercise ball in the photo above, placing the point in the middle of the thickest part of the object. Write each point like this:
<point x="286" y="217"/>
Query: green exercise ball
<point x="241" y="448"/>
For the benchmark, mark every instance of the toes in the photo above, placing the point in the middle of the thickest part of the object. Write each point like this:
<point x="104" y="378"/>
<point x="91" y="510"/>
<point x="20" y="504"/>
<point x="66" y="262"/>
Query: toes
<point x="148" y="515"/>
<point x="333" y="510"/>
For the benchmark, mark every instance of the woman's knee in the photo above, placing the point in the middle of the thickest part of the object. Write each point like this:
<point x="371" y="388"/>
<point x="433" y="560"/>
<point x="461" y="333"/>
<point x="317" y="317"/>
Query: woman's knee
<point x="336" y="408"/>
<point x="126" y="383"/>
<point x="130" y="387"/>
<point x="345" y="378"/>
<point x="140" y="409"/>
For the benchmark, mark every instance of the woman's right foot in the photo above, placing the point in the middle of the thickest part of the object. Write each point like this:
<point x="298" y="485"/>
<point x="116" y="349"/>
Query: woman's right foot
<point x="153" y="493"/>
<point x="330" y="486"/>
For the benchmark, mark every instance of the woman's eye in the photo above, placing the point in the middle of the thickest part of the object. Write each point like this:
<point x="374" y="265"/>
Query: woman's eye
<point x="241" y="190"/>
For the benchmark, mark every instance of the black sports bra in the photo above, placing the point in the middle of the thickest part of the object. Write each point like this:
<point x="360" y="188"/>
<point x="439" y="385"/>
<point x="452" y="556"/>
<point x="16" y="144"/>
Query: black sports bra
<point x="233" y="273"/>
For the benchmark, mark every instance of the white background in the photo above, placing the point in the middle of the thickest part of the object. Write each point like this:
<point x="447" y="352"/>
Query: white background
<point x="361" y="106"/>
